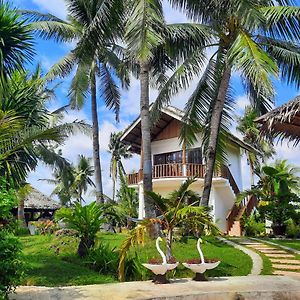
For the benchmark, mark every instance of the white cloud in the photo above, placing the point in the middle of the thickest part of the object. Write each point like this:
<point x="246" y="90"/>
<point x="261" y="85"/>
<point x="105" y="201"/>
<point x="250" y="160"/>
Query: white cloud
<point x="55" y="7"/>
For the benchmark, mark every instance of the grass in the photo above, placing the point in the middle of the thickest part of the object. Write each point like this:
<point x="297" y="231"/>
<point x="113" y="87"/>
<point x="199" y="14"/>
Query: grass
<point x="295" y="244"/>
<point x="52" y="262"/>
<point x="267" y="264"/>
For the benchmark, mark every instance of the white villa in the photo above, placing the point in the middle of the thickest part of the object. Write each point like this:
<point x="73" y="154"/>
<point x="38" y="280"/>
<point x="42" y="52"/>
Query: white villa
<point x="173" y="163"/>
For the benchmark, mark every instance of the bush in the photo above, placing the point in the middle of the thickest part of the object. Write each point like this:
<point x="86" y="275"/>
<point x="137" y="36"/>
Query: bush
<point x="11" y="269"/>
<point x="67" y="232"/>
<point x="253" y="227"/>
<point x="45" y="227"/>
<point x="293" y="230"/>
<point x="134" y="270"/>
<point x="103" y="259"/>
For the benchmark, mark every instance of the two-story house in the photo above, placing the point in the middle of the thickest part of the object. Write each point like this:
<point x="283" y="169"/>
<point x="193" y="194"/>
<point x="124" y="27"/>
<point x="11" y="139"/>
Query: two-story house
<point x="173" y="163"/>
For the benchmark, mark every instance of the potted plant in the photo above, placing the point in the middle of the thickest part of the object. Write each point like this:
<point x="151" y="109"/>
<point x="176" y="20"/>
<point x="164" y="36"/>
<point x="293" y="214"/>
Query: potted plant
<point x="160" y="267"/>
<point x="199" y="266"/>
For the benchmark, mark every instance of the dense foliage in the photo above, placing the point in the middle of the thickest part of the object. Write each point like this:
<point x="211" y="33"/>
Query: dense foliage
<point x="11" y="266"/>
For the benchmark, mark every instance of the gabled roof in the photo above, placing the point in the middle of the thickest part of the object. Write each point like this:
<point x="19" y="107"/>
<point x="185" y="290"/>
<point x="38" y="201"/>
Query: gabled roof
<point x="132" y="134"/>
<point x="283" y="121"/>
<point x="37" y="200"/>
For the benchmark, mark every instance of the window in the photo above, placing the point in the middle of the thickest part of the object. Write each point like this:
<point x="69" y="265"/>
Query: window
<point x="168" y="158"/>
<point x="194" y="156"/>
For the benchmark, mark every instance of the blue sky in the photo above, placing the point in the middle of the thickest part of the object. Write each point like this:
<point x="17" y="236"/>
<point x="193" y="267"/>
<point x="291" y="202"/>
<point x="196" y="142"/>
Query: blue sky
<point x="48" y="52"/>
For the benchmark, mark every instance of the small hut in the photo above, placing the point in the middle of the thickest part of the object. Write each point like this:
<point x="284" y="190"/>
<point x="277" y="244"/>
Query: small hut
<point x="283" y="122"/>
<point x="38" y="206"/>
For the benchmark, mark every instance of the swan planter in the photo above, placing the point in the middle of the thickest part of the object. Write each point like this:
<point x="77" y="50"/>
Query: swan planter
<point x="160" y="269"/>
<point x="200" y="266"/>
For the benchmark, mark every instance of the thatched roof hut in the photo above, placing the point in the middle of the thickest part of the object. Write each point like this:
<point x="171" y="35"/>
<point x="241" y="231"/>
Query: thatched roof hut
<point x="38" y="201"/>
<point x="283" y="122"/>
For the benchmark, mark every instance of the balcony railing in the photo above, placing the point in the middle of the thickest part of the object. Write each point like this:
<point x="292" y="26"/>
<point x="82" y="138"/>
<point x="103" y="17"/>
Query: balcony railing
<point x="169" y="171"/>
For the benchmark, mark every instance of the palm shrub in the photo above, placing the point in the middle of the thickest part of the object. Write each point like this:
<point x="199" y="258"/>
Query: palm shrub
<point x="86" y="220"/>
<point x="11" y="266"/>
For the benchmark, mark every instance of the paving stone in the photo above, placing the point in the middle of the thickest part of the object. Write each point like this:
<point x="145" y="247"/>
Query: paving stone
<point x="266" y="249"/>
<point x="285" y="267"/>
<point x="278" y="255"/>
<point x="285" y="261"/>
<point x="286" y="273"/>
<point x="273" y="251"/>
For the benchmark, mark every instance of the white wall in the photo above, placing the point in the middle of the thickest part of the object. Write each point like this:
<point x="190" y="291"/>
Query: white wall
<point x="234" y="157"/>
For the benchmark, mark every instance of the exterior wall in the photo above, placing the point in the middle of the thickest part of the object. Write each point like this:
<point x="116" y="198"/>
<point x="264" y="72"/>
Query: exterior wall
<point x="234" y="163"/>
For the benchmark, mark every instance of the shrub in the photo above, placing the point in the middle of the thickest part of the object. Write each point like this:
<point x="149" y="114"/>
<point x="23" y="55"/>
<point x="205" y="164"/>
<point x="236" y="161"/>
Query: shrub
<point x="67" y="232"/>
<point x="253" y="227"/>
<point x="86" y="220"/>
<point x="103" y="259"/>
<point x="293" y="230"/>
<point x="134" y="270"/>
<point x="45" y="227"/>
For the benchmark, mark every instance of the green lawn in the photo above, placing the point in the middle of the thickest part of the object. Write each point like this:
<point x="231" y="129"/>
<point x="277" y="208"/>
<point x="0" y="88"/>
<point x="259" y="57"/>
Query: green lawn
<point x="295" y="244"/>
<point x="49" y="267"/>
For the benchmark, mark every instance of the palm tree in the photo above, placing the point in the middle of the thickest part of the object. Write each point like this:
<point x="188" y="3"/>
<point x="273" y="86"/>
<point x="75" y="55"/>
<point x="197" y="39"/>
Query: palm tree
<point x="16" y="46"/>
<point x="95" y="56"/>
<point x="118" y="150"/>
<point x="153" y="48"/>
<point x="251" y="135"/>
<point x="27" y="129"/>
<point x="83" y="172"/>
<point x="255" y="38"/>
<point x="22" y="193"/>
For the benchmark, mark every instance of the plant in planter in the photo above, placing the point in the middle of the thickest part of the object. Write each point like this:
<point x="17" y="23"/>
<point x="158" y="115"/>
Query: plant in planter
<point x="199" y="266"/>
<point x="160" y="268"/>
<point x="278" y="193"/>
<point x="181" y="209"/>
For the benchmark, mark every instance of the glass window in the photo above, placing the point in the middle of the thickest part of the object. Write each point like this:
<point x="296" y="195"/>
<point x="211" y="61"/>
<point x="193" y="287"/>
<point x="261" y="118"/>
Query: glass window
<point x="168" y="158"/>
<point x="194" y="156"/>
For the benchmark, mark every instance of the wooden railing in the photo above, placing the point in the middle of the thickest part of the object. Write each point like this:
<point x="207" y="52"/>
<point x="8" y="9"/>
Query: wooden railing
<point x="169" y="170"/>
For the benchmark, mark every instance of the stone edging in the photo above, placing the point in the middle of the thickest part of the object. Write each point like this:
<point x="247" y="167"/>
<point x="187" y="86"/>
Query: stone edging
<point x="278" y="245"/>
<point x="256" y="259"/>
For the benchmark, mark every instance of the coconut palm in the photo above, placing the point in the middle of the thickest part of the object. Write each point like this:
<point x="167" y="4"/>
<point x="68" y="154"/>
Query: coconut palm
<point x="155" y="47"/>
<point x="27" y="129"/>
<point x="95" y="57"/>
<point x="83" y="172"/>
<point x="118" y="150"/>
<point x="22" y="192"/>
<point x="251" y="135"/>
<point x="16" y="46"/>
<point x="259" y="39"/>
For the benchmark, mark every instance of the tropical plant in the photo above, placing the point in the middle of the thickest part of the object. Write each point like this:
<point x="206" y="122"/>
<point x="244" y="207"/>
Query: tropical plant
<point x="251" y="135"/>
<point x="182" y="209"/>
<point x="154" y="47"/>
<point x="11" y="266"/>
<point x="83" y="172"/>
<point x="95" y="55"/>
<point x="28" y="130"/>
<point x="253" y="226"/>
<point x="118" y="150"/>
<point x="259" y="39"/>
<point x="86" y="220"/>
<point x="16" y="46"/>
<point x="278" y="192"/>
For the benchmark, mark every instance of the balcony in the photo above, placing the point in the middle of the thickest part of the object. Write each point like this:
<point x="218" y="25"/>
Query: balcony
<point x="169" y="171"/>
<point x="178" y="170"/>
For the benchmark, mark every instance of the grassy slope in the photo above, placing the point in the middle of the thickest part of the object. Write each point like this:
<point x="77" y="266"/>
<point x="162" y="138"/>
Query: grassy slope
<point x="44" y="267"/>
<point x="295" y="244"/>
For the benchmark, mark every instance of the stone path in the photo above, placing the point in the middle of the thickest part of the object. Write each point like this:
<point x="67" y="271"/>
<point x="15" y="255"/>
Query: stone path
<point x="283" y="261"/>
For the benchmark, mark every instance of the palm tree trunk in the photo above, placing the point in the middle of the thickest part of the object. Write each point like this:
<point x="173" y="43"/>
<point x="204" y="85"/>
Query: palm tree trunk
<point x="169" y="244"/>
<point x="21" y="214"/>
<point x="146" y="138"/>
<point x="214" y="132"/>
<point x="96" y="146"/>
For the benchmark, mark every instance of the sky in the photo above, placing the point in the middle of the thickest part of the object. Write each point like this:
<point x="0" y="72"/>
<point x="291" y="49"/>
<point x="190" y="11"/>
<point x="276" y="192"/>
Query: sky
<point x="49" y="52"/>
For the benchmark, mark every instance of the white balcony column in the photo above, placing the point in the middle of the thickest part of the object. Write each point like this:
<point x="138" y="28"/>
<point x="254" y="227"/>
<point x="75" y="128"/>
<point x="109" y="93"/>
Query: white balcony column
<point x="141" y="201"/>
<point x="184" y="169"/>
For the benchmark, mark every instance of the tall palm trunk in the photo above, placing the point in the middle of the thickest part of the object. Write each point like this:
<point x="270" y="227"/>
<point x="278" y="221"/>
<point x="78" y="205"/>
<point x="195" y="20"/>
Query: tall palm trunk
<point x="21" y="214"/>
<point x="96" y="146"/>
<point x="214" y="132"/>
<point x="169" y="244"/>
<point x="146" y="138"/>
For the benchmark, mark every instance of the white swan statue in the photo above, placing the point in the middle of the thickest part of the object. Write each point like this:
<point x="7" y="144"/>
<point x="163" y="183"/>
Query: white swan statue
<point x="203" y="266"/>
<point x="160" y="269"/>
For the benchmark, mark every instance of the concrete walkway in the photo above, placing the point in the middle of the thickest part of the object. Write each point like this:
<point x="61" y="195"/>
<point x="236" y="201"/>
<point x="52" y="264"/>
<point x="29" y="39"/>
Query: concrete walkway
<point x="283" y="261"/>
<point x="234" y="288"/>
<point x="257" y="262"/>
